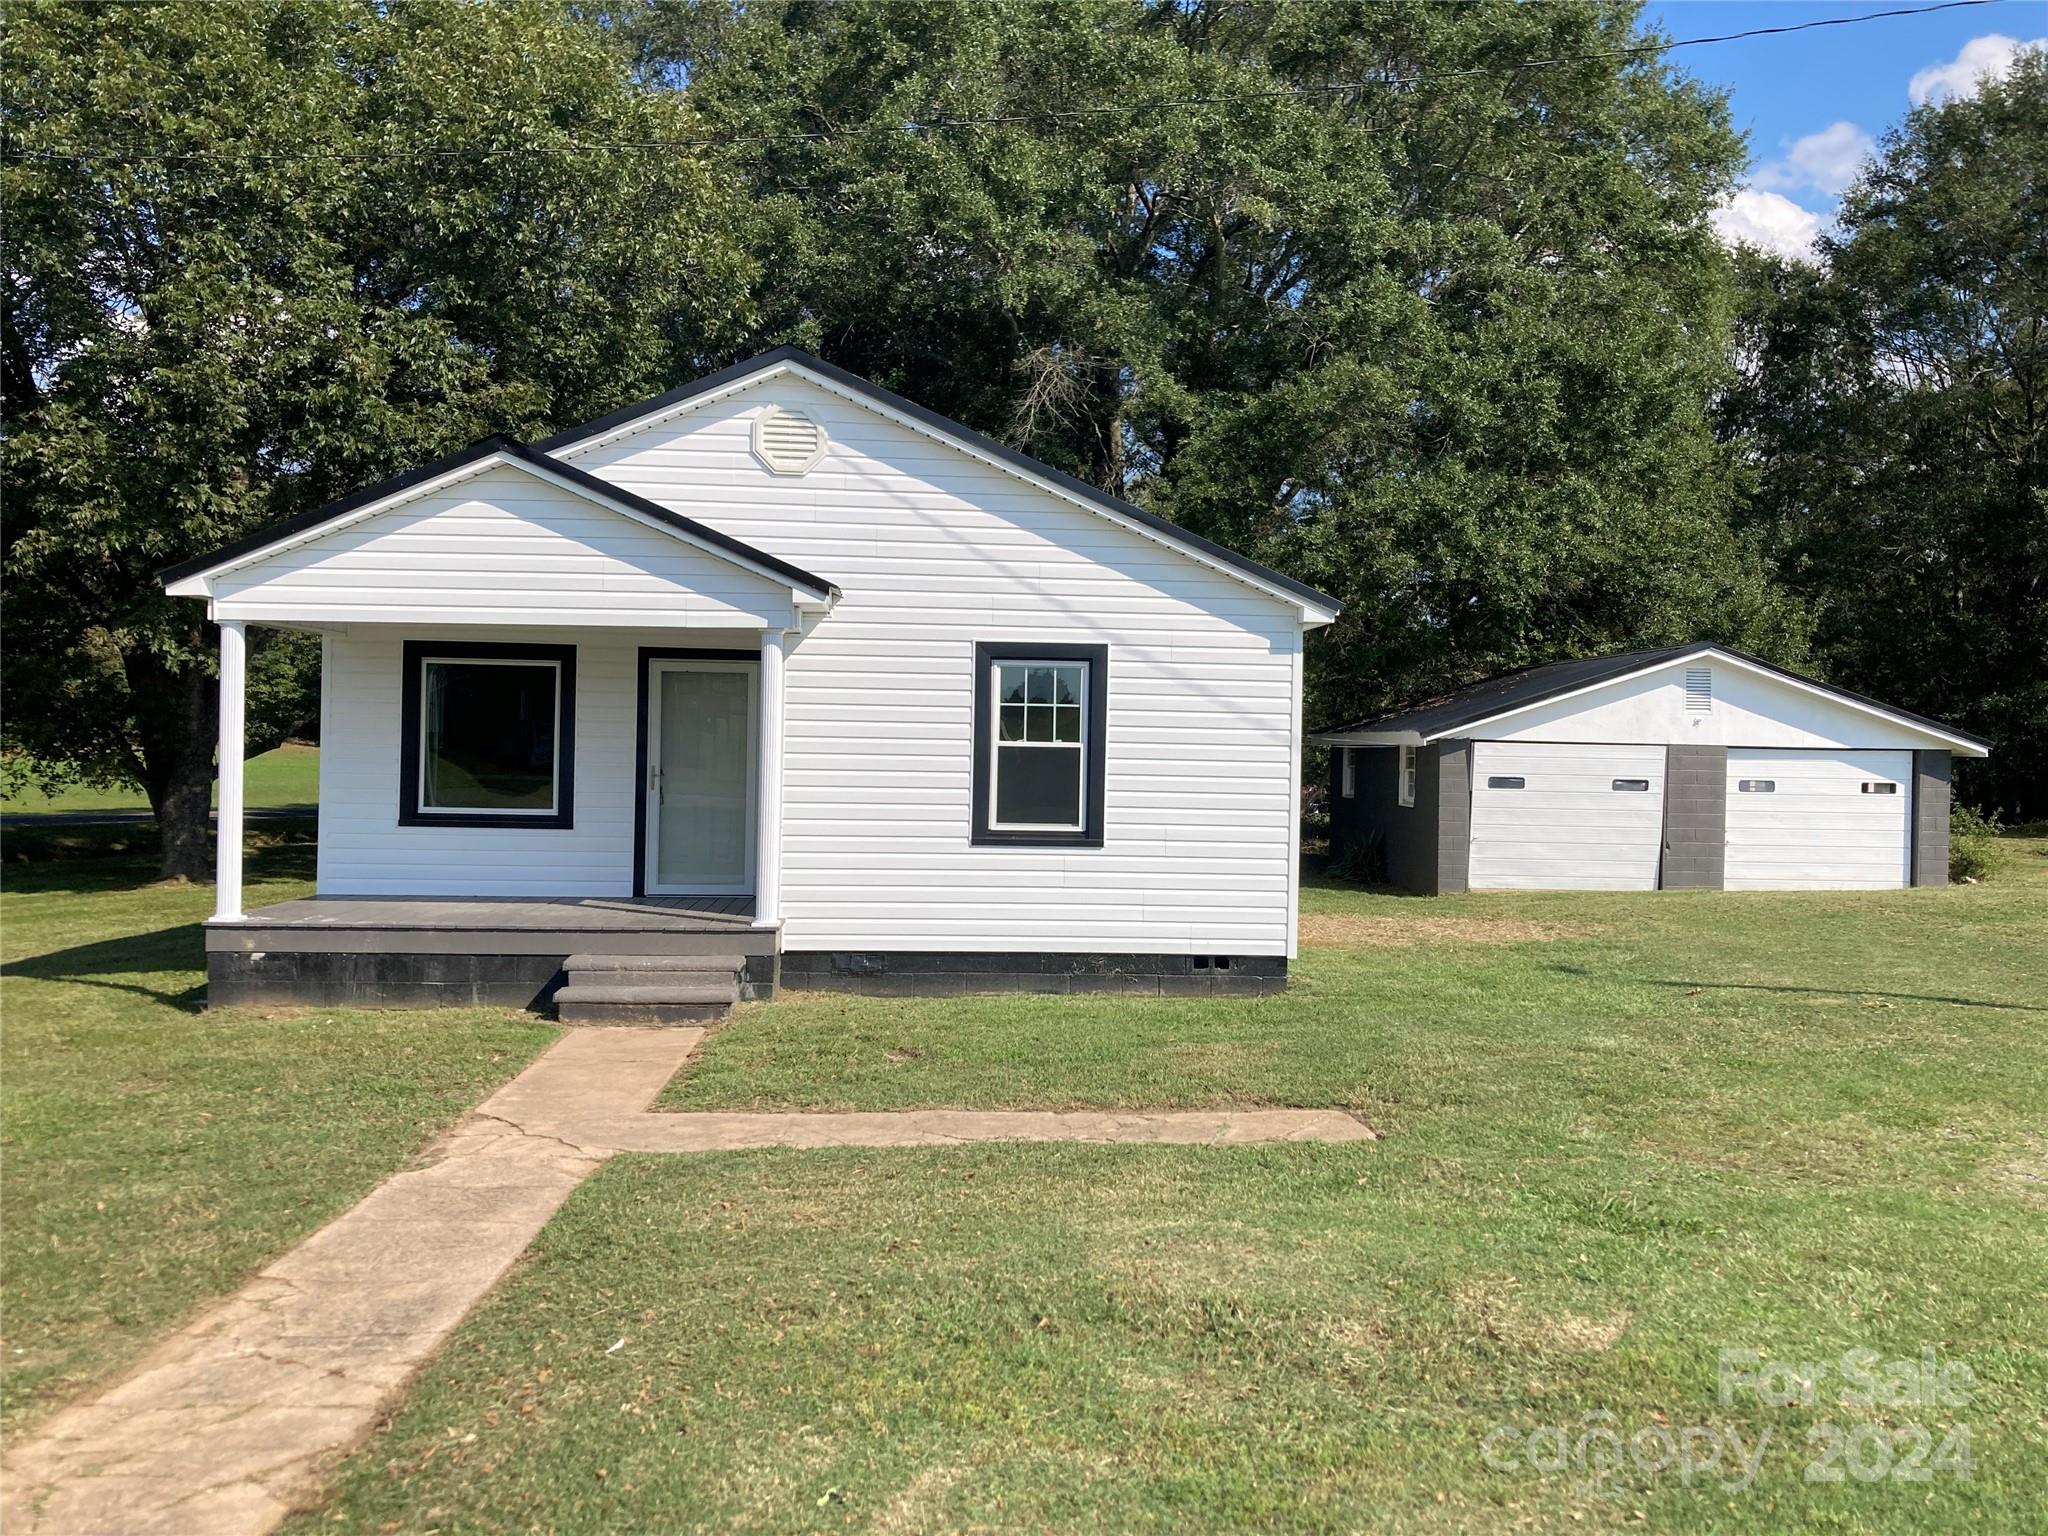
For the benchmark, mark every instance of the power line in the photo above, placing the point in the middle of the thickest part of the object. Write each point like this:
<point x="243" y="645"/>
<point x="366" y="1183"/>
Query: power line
<point x="1008" y="119"/>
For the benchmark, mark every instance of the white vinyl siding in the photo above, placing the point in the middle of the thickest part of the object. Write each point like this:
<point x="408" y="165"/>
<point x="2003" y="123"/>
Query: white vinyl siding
<point x="1744" y="708"/>
<point x="934" y="551"/>
<point x="1816" y="828"/>
<point x="1567" y="826"/>
<point x="502" y="546"/>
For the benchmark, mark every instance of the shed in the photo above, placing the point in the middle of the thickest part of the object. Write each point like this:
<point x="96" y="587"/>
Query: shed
<point x="1688" y="767"/>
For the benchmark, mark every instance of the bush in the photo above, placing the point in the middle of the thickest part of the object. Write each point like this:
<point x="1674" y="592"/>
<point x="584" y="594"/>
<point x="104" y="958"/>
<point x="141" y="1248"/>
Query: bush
<point x="1361" y="863"/>
<point x="1970" y="837"/>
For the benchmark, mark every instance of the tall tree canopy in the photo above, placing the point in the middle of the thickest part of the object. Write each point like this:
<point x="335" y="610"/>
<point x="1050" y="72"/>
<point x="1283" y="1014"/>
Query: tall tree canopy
<point x="259" y="254"/>
<point x="1340" y="284"/>
<point x="1894" y="401"/>
<point x="1417" y="302"/>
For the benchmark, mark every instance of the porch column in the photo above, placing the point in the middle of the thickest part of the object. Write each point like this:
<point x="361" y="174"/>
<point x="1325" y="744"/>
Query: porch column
<point x="768" y="803"/>
<point x="227" y="838"/>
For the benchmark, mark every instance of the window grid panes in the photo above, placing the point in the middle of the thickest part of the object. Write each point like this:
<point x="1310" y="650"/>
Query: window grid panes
<point x="1039" y="767"/>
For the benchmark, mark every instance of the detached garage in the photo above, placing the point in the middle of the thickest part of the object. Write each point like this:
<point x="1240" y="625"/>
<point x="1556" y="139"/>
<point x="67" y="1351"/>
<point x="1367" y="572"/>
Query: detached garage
<point x="1692" y="767"/>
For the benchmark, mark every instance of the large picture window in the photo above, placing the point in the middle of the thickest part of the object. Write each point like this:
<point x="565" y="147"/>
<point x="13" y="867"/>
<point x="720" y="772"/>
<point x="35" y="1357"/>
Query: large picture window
<point x="1039" y="720"/>
<point x="488" y="735"/>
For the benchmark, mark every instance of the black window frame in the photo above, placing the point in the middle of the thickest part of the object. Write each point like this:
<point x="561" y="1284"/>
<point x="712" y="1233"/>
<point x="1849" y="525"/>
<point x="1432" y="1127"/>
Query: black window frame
<point x="1094" y="744"/>
<point x="412" y="694"/>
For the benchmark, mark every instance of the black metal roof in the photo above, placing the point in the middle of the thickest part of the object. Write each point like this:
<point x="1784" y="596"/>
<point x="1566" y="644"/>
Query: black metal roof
<point x="1152" y="522"/>
<point x="1509" y="691"/>
<point x="476" y="452"/>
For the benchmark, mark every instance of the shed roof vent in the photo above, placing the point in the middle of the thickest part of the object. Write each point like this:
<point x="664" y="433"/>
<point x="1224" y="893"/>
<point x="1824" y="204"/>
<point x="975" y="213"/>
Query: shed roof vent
<point x="788" y="442"/>
<point x="1699" y="689"/>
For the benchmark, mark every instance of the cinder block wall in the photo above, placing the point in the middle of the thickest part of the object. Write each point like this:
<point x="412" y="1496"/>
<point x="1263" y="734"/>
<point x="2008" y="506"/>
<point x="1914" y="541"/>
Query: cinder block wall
<point x="1930" y="817"/>
<point x="1422" y="847"/>
<point x="1447" y="766"/>
<point x="1695" y="819"/>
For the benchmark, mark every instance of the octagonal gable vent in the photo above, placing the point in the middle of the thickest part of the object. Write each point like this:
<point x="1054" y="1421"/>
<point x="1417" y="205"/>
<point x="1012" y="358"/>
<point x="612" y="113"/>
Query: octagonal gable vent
<point x="787" y="441"/>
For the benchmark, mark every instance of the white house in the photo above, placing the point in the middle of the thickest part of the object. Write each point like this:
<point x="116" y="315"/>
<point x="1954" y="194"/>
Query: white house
<point x="1691" y="767"/>
<point x="777" y="672"/>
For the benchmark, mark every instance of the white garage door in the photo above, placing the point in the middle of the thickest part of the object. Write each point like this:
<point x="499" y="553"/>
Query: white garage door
<point x="1818" y="821"/>
<point x="1554" y="816"/>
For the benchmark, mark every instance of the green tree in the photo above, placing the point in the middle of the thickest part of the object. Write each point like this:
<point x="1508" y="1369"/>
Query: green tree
<point x="259" y="254"/>
<point x="1893" y="403"/>
<point x="1340" y="284"/>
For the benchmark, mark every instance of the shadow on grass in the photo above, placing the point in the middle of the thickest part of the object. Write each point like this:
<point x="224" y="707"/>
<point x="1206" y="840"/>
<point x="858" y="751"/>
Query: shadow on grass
<point x="133" y="956"/>
<point x="125" y="963"/>
<point x="1756" y="986"/>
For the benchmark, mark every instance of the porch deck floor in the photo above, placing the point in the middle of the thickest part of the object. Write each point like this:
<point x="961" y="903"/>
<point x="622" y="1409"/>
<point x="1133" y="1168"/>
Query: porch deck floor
<point x="553" y="914"/>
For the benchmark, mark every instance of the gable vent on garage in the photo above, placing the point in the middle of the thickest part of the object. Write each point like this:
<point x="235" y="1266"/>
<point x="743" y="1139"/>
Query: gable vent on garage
<point x="788" y="442"/>
<point x="1699" y="689"/>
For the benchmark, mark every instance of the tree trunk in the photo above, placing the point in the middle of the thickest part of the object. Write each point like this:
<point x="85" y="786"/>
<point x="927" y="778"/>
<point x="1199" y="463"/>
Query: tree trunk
<point x="177" y="715"/>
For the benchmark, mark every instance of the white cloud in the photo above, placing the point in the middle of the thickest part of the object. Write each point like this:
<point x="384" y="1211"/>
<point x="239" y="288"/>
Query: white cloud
<point x="1823" y="162"/>
<point x="1769" y="220"/>
<point x="1985" y="57"/>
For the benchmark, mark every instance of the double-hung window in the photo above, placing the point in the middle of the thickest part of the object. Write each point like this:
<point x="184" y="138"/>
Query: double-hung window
<point x="1039" y="718"/>
<point x="1405" y="791"/>
<point x="488" y="736"/>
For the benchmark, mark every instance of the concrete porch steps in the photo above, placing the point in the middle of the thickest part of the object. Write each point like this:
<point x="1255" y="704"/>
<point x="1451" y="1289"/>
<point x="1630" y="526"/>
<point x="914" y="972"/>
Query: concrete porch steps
<point x="648" y="989"/>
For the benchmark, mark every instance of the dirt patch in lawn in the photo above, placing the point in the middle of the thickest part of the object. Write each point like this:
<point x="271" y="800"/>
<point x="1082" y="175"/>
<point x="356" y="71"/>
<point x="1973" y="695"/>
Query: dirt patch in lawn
<point x="1500" y="1316"/>
<point x="2025" y="1176"/>
<point x="1350" y="931"/>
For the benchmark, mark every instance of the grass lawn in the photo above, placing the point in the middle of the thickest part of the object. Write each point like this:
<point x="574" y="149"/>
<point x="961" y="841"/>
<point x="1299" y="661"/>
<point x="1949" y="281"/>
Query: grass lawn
<point x="154" y="1154"/>
<point x="285" y="776"/>
<point x="1623" y="1133"/>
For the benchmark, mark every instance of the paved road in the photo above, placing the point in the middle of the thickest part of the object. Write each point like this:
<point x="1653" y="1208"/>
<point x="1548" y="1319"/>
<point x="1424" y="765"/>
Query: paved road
<point x="11" y="820"/>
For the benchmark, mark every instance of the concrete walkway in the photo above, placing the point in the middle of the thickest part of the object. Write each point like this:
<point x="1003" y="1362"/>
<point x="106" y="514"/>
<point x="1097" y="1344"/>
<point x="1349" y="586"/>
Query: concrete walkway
<point x="711" y="1132"/>
<point x="228" y="1424"/>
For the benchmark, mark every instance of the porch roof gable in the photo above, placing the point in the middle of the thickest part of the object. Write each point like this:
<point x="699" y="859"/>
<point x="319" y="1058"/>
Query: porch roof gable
<point x="192" y="578"/>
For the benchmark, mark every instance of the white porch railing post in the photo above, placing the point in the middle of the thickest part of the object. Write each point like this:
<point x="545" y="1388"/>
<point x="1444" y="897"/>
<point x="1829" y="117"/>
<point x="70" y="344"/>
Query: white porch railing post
<point x="768" y="803"/>
<point x="227" y="889"/>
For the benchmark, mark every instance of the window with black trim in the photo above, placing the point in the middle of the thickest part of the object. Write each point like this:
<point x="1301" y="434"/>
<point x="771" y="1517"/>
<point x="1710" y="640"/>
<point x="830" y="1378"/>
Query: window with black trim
<point x="1405" y="791"/>
<point x="488" y="735"/>
<point x="1039" y="718"/>
<point x="1349" y="787"/>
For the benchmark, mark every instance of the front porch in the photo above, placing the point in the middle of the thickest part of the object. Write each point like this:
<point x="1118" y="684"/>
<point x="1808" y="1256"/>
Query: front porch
<point x="551" y="727"/>
<point x="409" y="952"/>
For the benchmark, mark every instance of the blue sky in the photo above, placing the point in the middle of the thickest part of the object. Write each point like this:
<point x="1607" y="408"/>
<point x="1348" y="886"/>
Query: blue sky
<point x="1813" y="102"/>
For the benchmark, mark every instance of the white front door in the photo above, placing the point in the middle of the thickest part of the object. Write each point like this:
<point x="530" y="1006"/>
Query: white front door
<point x="1565" y="816"/>
<point x="1819" y="821"/>
<point x="702" y="753"/>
